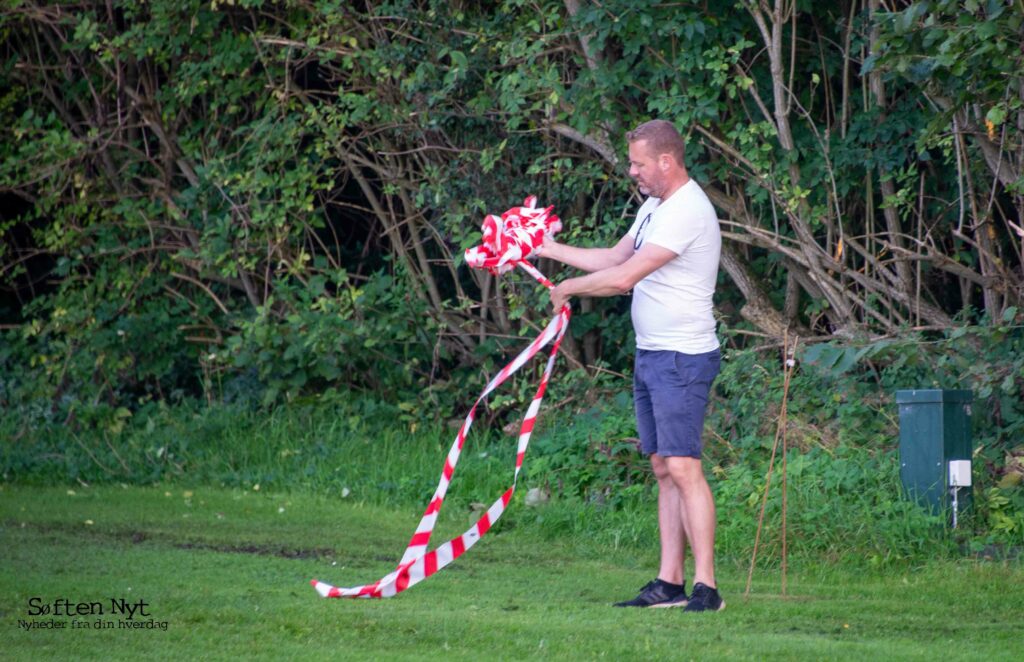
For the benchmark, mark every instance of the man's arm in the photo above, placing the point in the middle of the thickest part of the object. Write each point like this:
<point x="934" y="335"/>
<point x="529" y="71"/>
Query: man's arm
<point x="617" y="279"/>
<point x="588" y="259"/>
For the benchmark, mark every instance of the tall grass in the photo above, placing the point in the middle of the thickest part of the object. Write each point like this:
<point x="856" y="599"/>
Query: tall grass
<point x="844" y="503"/>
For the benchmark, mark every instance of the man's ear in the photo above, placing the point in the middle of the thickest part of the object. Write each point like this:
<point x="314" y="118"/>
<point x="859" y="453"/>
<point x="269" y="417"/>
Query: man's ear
<point x="665" y="162"/>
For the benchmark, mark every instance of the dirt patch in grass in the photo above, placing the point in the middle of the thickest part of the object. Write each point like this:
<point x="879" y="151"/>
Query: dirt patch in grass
<point x="261" y="550"/>
<point x="138" y="537"/>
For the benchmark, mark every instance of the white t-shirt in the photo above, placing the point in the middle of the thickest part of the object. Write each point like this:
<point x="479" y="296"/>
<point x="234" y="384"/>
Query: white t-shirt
<point x="672" y="306"/>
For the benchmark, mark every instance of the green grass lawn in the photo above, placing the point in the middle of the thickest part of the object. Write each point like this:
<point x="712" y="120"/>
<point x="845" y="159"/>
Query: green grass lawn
<point x="228" y="572"/>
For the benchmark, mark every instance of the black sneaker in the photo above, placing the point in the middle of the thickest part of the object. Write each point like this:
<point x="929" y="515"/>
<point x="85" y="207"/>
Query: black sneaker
<point x="705" y="598"/>
<point x="658" y="593"/>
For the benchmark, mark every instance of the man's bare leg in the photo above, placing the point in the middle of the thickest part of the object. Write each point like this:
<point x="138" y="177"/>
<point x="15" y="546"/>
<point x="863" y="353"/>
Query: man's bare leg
<point x="699" y="510"/>
<point x="672" y="527"/>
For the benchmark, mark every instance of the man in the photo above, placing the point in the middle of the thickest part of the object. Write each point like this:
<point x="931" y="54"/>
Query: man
<point x="669" y="258"/>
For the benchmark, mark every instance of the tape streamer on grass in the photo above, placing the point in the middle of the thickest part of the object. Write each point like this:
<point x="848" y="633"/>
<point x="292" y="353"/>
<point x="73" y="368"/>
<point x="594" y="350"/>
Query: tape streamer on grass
<point x="508" y="241"/>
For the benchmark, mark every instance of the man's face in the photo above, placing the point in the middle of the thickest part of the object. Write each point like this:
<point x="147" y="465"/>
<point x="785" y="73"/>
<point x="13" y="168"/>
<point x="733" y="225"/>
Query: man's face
<point x="644" y="170"/>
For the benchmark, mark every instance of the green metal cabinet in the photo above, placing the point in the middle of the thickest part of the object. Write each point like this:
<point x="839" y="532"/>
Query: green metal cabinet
<point x="935" y="428"/>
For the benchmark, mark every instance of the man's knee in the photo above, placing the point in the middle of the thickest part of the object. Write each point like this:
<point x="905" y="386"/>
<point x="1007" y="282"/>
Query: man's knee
<point x="660" y="468"/>
<point x="685" y="471"/>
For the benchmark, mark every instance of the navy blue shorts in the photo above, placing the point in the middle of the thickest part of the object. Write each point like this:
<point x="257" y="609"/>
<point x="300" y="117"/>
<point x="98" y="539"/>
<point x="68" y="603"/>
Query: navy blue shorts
<point x="670" y="391"/>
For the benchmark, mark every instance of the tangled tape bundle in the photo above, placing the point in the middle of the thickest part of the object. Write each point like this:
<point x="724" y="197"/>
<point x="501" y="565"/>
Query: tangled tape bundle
<point x="507" y="242"/>
<point x="515" y="236"/>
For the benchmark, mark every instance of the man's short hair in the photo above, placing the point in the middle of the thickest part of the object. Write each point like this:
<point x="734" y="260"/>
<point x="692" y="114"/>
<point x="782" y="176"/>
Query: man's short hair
<point x="662" y="137"/>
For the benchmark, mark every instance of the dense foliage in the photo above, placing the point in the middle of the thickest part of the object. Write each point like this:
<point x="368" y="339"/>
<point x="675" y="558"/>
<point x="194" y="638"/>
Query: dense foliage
<point x="250" y="201"/>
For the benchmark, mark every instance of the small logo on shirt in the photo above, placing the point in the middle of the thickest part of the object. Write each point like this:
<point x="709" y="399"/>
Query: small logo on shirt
<point x="639" y="241"/>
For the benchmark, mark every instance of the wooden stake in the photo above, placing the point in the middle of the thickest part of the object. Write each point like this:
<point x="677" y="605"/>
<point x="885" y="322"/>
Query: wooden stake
<point x="789" y="363"/>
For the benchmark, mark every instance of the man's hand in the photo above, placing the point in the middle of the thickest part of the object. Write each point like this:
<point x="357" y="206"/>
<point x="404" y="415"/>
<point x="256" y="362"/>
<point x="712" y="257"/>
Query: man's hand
<point x="559" y="297"/>
<point x="546" y="249"/>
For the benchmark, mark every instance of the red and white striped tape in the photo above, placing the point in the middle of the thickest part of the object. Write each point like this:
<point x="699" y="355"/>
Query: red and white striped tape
<point x="513" y="237"/>
<point x="508" y="241"/>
